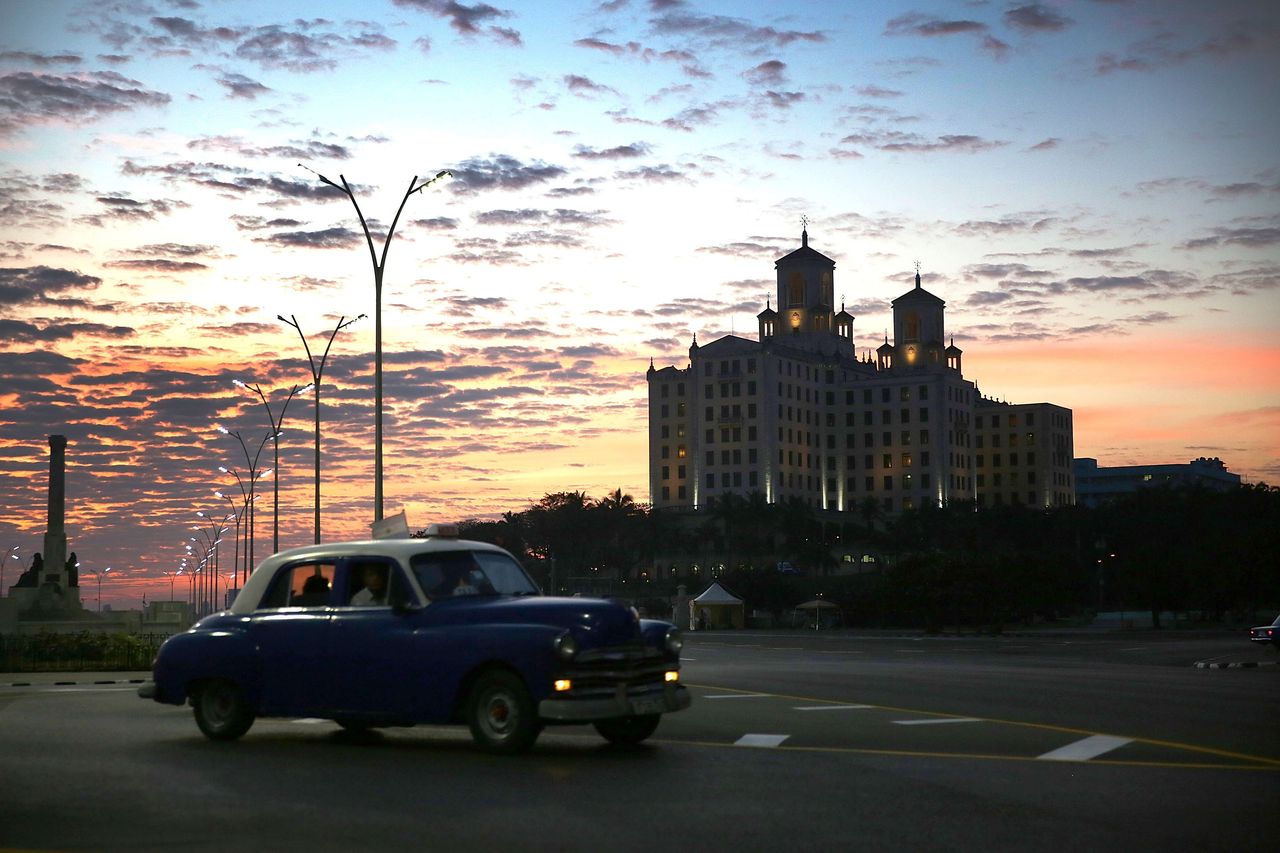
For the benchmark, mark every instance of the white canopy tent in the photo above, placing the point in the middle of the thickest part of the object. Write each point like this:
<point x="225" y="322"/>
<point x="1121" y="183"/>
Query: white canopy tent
<point x="716" y="607"/>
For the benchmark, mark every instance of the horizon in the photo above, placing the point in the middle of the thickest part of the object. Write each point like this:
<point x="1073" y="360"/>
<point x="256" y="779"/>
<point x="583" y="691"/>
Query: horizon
<point x="1091" y="187"/>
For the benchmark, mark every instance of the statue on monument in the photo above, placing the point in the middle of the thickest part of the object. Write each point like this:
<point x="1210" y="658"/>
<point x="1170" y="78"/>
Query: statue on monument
<point x="31" y="577"/>
<point x="73" y="570"/>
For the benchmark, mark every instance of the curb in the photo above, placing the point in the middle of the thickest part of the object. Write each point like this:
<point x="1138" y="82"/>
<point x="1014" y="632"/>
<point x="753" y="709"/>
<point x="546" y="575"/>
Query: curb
<point x="1247" y="664"/>
<point x="72" y="683"/>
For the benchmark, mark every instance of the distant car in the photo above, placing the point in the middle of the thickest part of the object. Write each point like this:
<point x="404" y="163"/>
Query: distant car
<point x="440" y="630"/>
<point x="1267" y="633"/>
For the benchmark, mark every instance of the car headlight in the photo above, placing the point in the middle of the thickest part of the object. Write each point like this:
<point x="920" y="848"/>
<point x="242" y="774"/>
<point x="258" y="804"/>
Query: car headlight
<point x="565" y="645"/>
<point x="674" y="641"/>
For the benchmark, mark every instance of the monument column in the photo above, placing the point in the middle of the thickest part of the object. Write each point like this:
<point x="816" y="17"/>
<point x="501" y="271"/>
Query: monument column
<point x="55" y="537"/>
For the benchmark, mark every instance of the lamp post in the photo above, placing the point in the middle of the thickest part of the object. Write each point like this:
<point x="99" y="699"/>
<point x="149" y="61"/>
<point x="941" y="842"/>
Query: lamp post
<point x="254" y="476"/>
<point x="99" y="575"/>
<point x="235" y="560"/>
<point x="378" y="267"/>
<point x="317" y="373"/>
<point x="12" y="554"/>
<point x="275" y="442"/>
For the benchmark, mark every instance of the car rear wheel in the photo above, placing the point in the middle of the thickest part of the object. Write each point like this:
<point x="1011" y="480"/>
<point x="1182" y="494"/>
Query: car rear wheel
<point x="222" y="712"/>
<point x="501" y="714"/>
<point x="628" y="731"/>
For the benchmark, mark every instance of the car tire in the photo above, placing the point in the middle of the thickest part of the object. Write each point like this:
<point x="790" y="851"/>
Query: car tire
<point x="501" y="715"/>
<point x="222" y="712"/>
<point x="628" y="731"/>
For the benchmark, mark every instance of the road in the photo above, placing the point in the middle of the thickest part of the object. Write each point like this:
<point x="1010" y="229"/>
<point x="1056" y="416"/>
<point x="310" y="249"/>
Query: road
<point x="794" y="741"/>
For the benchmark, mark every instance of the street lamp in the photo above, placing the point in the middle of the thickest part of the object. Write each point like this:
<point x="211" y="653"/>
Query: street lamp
<point x="316" y="374"/>
<point x="12" y="553"/>
<point x="254" y="476"/>
<point x="235" y="562"/>
<point x="99" y="575"/>
<point x="275" y="442"/>
<point x="378" y="267"/>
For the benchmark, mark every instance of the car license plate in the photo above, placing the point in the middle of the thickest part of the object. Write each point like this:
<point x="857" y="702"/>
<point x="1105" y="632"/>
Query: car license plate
<point x="648" y="706"/>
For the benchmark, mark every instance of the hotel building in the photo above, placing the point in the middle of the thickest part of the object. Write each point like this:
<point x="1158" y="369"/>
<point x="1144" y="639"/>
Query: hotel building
<point x="797" y="413"/>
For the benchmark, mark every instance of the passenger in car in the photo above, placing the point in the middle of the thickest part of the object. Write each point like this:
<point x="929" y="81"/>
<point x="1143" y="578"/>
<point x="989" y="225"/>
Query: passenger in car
<point x="374" y="593"/>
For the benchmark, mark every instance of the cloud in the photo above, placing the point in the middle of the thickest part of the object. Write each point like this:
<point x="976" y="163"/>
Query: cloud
<point x="771" y="72"/>
<point x="721" y="31"/>
<point x="502" y="172"/>
<point x="237" y="180"/>
<point x="1046" y="144"/>
<point x="878" y="92"/>
<point x="927" y="26"/>
<point x="21" y="332"/>
<point x="28" y="98"/>
<point x="157" y="265"/>
<point x="917" y="24"/>
<point x="240" y="86"/>
<point x="634" y="50"/>
<point x="585" y="87"/>
<point x="337" y="237"/>
<point x="618" y="152"/>
<point x="26" y="57"/>
<point x="124" y="209"/>
<point x="33" y="285"/>
<point x="436" y="223"/>
<point x="310" y="149"/>
<point x="468" y="20"/>
<point x="1250" y="238"/>
<point x="651" y="174"/>
<point x="1034" y="17"/>
<point x="1167" y="48"/>
<point x="783" y="100"/>
<point x="914" y="143"/>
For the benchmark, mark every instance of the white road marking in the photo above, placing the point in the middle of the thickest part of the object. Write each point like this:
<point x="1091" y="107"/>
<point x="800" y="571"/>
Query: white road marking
<point x="736" y="696"/>
<point x="909" y="651"/>
<point x="89" y="689"/>
<point x="1086" y="748"/>
<point x="839" y="652"/>
<point x="309" y="721"/>
<point x="936" y="721"/>
<point x="760" y="740"/>
<point x="831" y="707"/>
<point x="784" y="648"/>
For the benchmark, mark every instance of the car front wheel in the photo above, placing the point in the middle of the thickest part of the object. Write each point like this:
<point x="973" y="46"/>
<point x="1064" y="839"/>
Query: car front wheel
<point x="628" y="731"/>
<point x="501" y="714"/>
<point x="222" y="712"/>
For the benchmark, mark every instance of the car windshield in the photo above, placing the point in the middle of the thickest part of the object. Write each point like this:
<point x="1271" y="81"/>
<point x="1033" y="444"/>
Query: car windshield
<point x="451" y="574"/>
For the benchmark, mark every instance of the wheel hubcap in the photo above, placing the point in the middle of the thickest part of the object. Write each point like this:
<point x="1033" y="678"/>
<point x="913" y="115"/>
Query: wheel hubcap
<point x="500" y="715"/>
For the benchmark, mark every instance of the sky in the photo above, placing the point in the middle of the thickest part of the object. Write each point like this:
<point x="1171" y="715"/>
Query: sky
<point x="1091" y="186"/>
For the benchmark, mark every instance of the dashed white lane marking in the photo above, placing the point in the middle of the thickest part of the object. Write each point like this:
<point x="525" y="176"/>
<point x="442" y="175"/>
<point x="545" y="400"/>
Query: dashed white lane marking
<point x="88" y="689"/>
<point x="936" y="721"/>
<point x="830" y="707"/>
<point x="737" y="696"/>
<point x="760" y="740"/>
<point x="309" y="721"/>
<point x="1086" y="748"/>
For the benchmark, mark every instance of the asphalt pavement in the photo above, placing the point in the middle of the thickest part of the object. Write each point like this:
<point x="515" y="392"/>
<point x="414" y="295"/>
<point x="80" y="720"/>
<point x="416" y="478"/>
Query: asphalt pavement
<point x="795" y="740"/>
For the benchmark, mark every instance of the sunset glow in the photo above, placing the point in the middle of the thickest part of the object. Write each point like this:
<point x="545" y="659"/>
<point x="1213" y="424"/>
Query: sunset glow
<point x="1092" y="188"/>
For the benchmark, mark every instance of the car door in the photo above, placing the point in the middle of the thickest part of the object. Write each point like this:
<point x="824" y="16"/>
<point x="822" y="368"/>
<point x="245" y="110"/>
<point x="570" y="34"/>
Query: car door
<point x="289" y="631"/>
<point x="375" y="670"/>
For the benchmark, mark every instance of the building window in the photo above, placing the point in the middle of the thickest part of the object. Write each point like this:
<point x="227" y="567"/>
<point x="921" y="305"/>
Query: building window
<point x="679" y="430"/>
<point x="888" y="438"/>
<point x="666" y="452"/>
<point x="711" y="481"/>
<point x="680" y="452"/>
<point x="680" y="492"/>
<point x="888" y="482"/>
<point x="680" y="409"/>
<point x="666" y="410"/>
<point x="870" y="484"/>
<point x="711" y="458"/>
<point x="666" y="472"/>
<point x="925" y="481"/>
<point x="906" y="436"/>
<point x="680" y="472"/>
<point x="906" y="460"/>
<point x="711" y="436"/>
<point x="905" y="416"/>
<point x="666" y="493"/>
<point x="753" y="479"/>
<point x="924" y="414"/>
<point x="924" y="458"/>
<point x="666" y="431"/>
<point x="924" y="392"/>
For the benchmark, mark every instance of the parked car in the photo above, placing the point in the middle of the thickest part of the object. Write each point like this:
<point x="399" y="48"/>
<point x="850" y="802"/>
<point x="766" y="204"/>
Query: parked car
<point x="405" y="631"/>
<point x="1267" y="633"/>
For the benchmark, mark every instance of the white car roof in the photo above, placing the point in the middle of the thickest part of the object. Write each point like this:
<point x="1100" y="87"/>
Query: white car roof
<point x="399" y="549"/>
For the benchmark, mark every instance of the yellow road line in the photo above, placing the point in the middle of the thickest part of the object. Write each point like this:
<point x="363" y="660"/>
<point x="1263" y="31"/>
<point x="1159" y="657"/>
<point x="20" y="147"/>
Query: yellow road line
<point x="1207" y="750"/>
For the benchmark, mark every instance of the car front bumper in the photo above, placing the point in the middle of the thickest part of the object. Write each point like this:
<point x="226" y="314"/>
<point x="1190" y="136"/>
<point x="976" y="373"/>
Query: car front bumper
<point x="623" y="703"/>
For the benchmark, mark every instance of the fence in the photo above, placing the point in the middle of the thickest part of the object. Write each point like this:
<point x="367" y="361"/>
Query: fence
<point x="83" y="652"/>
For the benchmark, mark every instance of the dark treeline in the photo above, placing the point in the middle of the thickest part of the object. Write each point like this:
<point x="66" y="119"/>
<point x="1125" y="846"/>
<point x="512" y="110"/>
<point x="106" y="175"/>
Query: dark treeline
<point x="1212" y="555"/>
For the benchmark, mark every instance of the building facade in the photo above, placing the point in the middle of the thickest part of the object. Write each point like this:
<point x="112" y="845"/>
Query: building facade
<point x="1097" y="484"/>
<point x="796" y="413"/>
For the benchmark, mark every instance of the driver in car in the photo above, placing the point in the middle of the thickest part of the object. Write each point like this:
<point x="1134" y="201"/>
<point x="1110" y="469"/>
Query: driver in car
<point x="374" y="593"/>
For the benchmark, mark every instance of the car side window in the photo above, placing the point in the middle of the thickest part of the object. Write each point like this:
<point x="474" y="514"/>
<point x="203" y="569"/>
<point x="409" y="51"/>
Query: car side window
<point x="374" y="582"/>
<point x="301" y="585"/>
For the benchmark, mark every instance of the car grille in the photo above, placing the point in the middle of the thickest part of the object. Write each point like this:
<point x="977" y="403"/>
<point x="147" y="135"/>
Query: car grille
<point x="605" y="670"/>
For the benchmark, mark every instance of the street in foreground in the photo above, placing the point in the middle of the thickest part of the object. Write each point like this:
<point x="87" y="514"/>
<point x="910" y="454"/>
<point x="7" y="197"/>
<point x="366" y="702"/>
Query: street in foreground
<point x="794" y="740"/>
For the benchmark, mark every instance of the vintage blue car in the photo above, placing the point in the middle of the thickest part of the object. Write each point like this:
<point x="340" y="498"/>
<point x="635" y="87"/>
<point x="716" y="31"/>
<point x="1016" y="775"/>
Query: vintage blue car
<point x="395" y="632"/>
